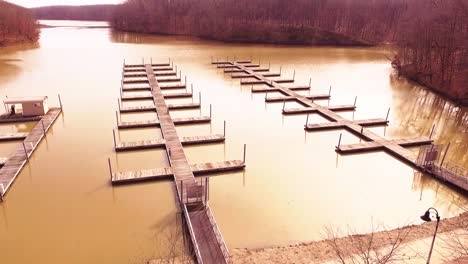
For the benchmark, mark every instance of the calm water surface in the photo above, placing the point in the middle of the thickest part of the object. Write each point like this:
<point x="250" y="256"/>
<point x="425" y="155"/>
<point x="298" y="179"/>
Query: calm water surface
<point x="62" y="208"/>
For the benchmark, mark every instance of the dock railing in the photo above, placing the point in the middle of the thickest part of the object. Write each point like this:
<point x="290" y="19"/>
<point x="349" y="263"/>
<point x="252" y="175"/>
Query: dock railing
<point x="193" y="191"/>
<point x="192" y="234"/>
<point x="219" y="236"/>
<point x="457" y="169"/>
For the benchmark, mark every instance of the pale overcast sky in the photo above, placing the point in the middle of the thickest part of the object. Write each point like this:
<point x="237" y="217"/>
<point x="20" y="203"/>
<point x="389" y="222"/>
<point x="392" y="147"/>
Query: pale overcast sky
<point x="36" y="3"/>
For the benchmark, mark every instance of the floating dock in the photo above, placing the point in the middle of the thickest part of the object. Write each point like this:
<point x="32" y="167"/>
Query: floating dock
<point x="373" y="142"/>
<point x="192" y="193"/>
<point x="13" y="165"/>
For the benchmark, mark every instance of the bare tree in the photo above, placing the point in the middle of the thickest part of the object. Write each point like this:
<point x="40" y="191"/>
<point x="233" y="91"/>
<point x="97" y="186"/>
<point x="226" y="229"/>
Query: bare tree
<point x="371" y="248"/>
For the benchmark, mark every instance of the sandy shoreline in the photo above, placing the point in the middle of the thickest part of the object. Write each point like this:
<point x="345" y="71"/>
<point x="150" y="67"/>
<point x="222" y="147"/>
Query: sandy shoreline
<point x="321" y="251"/>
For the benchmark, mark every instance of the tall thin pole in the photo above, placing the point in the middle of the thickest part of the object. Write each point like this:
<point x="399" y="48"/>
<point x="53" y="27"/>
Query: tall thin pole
<point x="210" y="111"/>
<point x="25" y="152"/>
<point x="355" y="100"/>
<point x="110" y="167"/>
<point x="307" y="120"/>
<point x="339" y="140"/>
<point x="224" y="128"/>
<point x="433" y="240"/>
<point x="445" y="154"/>
<point x="113" y="133"/>
<point x="117" y="117"/>
<point x="432" y="131"/>
<point x="245" y="149"/>
<point x="388" y="113"/>
<point x="43" y="127"/>
<point x="60" y="101"/>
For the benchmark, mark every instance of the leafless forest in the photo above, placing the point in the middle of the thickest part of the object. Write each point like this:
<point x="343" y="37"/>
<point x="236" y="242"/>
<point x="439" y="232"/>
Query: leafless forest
<point x="16" y="24"/>
<point x="431" y="35"/>
<point x="89" y="12"/>
<point x="433" y="46"/>
<point x="334" y="22"/>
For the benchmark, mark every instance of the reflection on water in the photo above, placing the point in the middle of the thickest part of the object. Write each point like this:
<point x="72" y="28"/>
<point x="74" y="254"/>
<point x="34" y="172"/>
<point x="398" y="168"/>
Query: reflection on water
<point x="293" y="186"/>
<point x="423" y="109"/>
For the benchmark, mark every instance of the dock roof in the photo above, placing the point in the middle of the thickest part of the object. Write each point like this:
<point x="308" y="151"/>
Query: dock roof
<point x="26" y="99"/>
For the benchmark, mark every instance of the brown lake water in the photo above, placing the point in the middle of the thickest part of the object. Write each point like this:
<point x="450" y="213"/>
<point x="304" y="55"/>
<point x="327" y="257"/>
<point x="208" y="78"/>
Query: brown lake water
<point x="62" y="208"/>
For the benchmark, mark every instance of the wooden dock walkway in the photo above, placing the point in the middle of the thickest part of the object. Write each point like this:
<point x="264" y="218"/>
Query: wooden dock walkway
<point x="160" y="143"/>
<point x="13" y="136"/>
<point x="151" y="108"/>
<point x="156" y="123"/>
<point x="166" y="173"/>
<point x="373" y="141"/>
<point x="192" y="193"/>
<point x="18" y="118"/>
<point x="341" y="125"/>
<point x="150" y="97"/>
<point x="16" y="162"/>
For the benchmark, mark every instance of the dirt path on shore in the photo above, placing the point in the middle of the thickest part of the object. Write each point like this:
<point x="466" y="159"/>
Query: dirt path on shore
<point x="321" y="251"/>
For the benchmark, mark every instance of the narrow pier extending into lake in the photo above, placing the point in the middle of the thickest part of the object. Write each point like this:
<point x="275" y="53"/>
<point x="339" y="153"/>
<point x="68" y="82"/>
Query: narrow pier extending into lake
<point x="192" y="193"/>
<point x="357" y="127"/>
<point x="252" y="74"/>
<point x="12" y="166"/>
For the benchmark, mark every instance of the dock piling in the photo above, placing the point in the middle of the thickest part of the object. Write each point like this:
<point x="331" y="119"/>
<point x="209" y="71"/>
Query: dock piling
<point x="284" y="104"/>
<point x="245" y="149"/>
<point x="281" y="67"/>
<point x="115" y="141"/>
<point x="60" y="101"/>
<point x="310" y="83"/>
<point x="339" y="140"/>
<point x="445" y="154"/>
<point x="294" y="75"/>
<point x="43" y="127"/>
<point x="199" y="97"/>
<point x="151" y="61"/>
<point x="432" y="131"/>
<point x="307" y="120"/>
<point x="355" y="100"/>
<point x="269" y="65"/>
<point x="110" y="168"/>
<point x="25" y="152"/>
<point x="224" y="133"/>
<point x="329" y="91"/>
<point x="210" y="111"/>
<point x="388" y="113"/>
<point x="185" y="80"/>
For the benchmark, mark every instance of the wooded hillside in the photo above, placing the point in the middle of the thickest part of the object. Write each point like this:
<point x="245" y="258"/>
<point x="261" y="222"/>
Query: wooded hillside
<point x="432" y="35"/>
<point x="433" y="46"/>
<point x="332" y="22"/>
<point x="16" y="24"/>
<point x="91" y="12"/>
